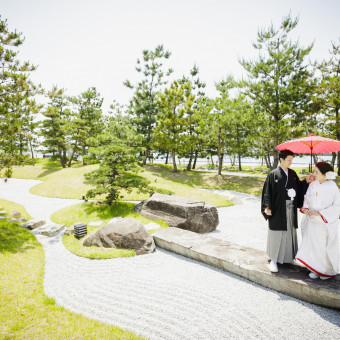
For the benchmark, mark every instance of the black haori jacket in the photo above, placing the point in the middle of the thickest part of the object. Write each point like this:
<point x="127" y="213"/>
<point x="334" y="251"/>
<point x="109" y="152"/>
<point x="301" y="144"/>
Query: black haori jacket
<point x="275" y="194"/>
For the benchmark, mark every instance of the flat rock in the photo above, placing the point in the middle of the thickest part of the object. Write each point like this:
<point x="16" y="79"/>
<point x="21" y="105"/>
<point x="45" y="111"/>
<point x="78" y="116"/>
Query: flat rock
<point x="17" y="220"/>
<point x="4" y="217"/>
<point x="124" y="233"/>
<point x="3" y="212"/>
<point x="51" y="230"/>
<point x="180" y="212"/>
<point x="251" y="264"/>
<point x="15" y="214"/>
<point x="33" y="224"/>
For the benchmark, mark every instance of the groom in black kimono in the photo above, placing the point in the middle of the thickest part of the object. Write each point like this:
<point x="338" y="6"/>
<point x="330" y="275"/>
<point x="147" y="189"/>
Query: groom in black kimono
<point x="282" y="194"/>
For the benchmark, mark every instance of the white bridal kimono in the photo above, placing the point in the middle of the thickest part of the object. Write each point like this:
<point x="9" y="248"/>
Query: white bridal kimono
<point x="319" y="249"/>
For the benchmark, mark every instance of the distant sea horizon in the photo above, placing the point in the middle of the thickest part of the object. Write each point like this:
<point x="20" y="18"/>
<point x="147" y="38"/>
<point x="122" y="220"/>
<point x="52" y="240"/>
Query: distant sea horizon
<point x="302" y="161"/>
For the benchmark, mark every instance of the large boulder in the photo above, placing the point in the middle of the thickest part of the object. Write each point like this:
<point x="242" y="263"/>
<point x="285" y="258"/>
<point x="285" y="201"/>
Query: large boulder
<point x="180" y="212"/>
<point x="125" y="233"/>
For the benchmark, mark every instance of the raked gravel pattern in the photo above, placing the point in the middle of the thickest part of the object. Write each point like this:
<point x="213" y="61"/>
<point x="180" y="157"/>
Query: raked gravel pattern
<point x="166" y="296"/>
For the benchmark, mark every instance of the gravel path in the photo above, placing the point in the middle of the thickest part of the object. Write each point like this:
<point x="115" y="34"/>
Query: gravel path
<point x="17" y="190"/>
<point x="166" y="296"/>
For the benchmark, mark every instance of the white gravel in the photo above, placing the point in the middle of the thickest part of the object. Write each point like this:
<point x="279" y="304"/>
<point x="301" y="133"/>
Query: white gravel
<point x="166" y="296"/>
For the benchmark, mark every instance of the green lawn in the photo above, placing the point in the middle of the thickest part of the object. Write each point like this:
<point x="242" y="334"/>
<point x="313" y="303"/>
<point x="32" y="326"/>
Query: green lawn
<point x="25" y="311"/>
<point x="90" y="212"/>
<point x="69" y="182"/>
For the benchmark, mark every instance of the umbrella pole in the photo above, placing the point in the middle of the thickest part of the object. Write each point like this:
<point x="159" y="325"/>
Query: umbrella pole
<point x="311" y="160"/>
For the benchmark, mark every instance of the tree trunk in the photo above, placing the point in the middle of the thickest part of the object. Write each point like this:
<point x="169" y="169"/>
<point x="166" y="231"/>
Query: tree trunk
<point x="220" y="163"/>
<point x="239" y="162"/>
<point x="333" y="159"/>
<point x="212" y="161"/>
<point x="219" y="151"/>
<point x="190" y="158"/>
<point x="195" y="160"/>
<point x="146" y="155"/>
<point x="276" y="142"/>
<point x="315" y="158"/>
<point x="276" y="159"/>
<point x="174" y="159"/>
<point x="71" y="157"/>
<point x="83" y="153"/>
<point x="267" y="159"/>
<point x="232" y="160"/>
<point x="31" y="148"/>
<point x="167" y="157"/>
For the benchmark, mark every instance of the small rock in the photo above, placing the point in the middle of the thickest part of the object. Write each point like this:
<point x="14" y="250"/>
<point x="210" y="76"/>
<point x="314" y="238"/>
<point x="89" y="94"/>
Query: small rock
<point x="69" y="230"/>
<point x="152" y="226"/>
<point x="51" y="229"/>
<point x="15" y="214"/>
<point x="17" y="220"/>
<point x="96" y="223"/>
<point x="4" y="217"/>
<point x="3" y="212"/>
<point x="138" y="207"/>
<point x="33" y="224"/>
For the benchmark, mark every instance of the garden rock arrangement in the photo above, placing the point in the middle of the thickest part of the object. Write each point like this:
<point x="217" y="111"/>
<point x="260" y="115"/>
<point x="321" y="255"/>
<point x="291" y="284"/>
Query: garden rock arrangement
<point x="180" y="212"/>
<point x="126" y="233"/>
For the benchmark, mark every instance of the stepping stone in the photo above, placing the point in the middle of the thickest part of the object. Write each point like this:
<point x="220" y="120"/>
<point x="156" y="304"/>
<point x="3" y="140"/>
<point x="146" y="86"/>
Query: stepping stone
<point x="251" y="264"/>
<point x="51" y="230"/>
<point x="17" y="220"/>
<point x="15" y="214"/>
<point x="4" y="217"/>
<point x="33" y="224"/>
<point x="3" y="212"/>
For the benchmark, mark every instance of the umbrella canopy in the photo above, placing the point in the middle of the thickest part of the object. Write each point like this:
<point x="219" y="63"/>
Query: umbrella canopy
<point x="311" y="144"/>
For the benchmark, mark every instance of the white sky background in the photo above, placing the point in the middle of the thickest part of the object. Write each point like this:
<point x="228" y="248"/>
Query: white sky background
<point x="82" y="43"/>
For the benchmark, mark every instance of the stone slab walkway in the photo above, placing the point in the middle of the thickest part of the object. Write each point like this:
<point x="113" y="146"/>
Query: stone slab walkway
<point x="251" y="264"/>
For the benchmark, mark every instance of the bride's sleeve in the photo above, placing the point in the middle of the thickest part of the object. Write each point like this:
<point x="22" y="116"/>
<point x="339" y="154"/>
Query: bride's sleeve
<point x="331" y="213"/>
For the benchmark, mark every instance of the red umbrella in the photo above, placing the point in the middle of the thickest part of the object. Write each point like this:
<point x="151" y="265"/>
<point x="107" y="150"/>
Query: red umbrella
<point x="311" y="144"/>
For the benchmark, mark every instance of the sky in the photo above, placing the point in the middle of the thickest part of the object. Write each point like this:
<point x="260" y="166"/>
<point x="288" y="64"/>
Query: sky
<point x="79" y="44"/>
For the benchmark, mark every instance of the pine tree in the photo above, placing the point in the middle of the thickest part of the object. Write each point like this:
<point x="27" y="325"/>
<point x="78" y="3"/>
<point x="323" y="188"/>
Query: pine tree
<point x="143" y="106"/>
<point x="279" y="81"/>
<point x="17" y="104"/>
<point x="117" y="149"/>
<point x="56" y="127"/>
<point x="87" y="121"/>
<point x="173" y="121"/>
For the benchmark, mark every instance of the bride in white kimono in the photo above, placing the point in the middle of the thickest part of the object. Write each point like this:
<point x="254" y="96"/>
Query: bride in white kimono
<point x="319" y="249"/>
